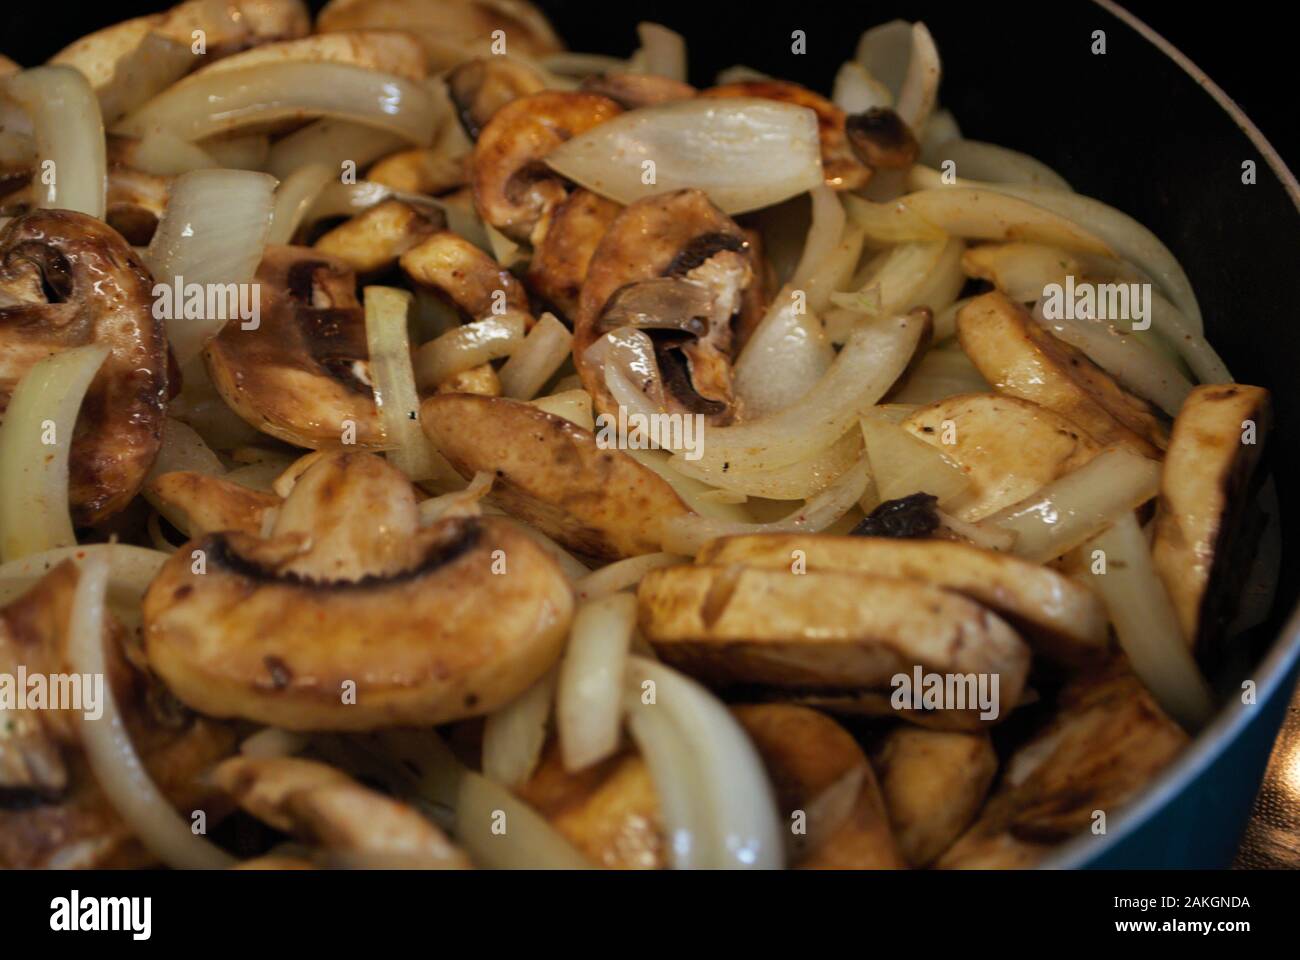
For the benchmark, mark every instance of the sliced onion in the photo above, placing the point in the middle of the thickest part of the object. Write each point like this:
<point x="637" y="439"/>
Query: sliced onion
<point x="744" y="153"/>
<point x="663" y="51"/>
<point x="295" y="196"/>
<point x="796" y="481"/>
<point x="976" y="160"/>
<point x="622" y="575"/>
<point x="34" y="514"/>
<point x="902" y="464"/>
<point x="907" y="276"/>
<point x="165" y="155"/>
<point x="118" y="769"/>
<point x="223" y="101"/>
<point x="1141" y="369"/>
<point x="513" y="736"/>
<point x="920" y="90"/>
<point x="572" y="405"/>
<point x="213" y="232"/>
<point x="536" y="360"/>
<point x="886" y="224"/>
<point x="786" y="355"/>
<point x="1145" y="623"/>
<point x="183" y="449"/>
<point x="697" y="495"/>
<point x="886" y="50"/>
<point x="468" y="346"/>
<point x="981" y="533"/>
<point x="940" y="374"/>
<point x="476" y="805"/>
<point x="939" y="129"/>
<point x="71" y="170"/>
<point x="824" y="235"/>
<point x="331" y="142"/>
<point x="394" y="386"/>
<point x="1168" y="322"/>
<point x="458" y="503"/>
<point x="201" y="407"/>
<point x="857" y="91"/>
<point x="686" y="535"/>
<point x="589" y="698"/>
<point x="1023" y="270"/>
<point x="873" y="359"/>
<point x="990" y="212"/>
<point x="738" y="815"/>
<point x="150" y="68"/>
<point x="131" y="568"/>
<point x="247" y="152"/>
<point x="1079" y="505"/>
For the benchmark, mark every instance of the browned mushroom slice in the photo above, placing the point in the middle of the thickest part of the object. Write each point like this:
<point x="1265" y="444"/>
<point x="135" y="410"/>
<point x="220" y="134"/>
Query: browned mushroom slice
<point x="344" y="619"/>
<point x="135" y="202"/>
<point x="512" y="190"/>
<point x="1021" y="358"/>
<point x="1007" y="447"/>
<point x="835" y="633"/>
<point x="327" y="809"/>
<point x="841" y="167"/>
<point x="609" y="811"/>
<point x="92" y="289"/>
<point x="825" y="789"/>
<point x="634" y="90"/>
<point x="564" y="251"/>
<point x="1060" y="616"/>
<point x="934" y="783"/>
<point x="303" y="374"/>
<point x="677" y="268"/>
<point x="482" y="86"/>
<point x="420" y="170"/>
<point x="469" y="278"/>
<point x="1106" y="743"/>
<point x="1205" y="495"/>
<point x="198" y="504"/>
<point x="881" y="139"/>
<point x="373" y="240"/>
<point x="57" y="816"/>
<point x="553" y="474"/>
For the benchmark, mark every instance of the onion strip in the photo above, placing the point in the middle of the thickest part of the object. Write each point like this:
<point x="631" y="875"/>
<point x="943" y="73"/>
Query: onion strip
<point x="589" y="698"/>
<point x="536" y="360"/>
<point x="514" y="735"/>
<point x="71" y="169"/>
<point x="468" y="346"/>
<point x="622" y="574"/>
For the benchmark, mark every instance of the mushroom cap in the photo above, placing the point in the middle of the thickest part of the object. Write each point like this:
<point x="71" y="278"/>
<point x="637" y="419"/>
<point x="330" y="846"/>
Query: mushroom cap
<point x="563" y="253"/>
<point x="445" y="639"/>
<point x="482" y="86"/>
<point x="84" y="285"/>
<point x="302" y="374"/>
<point x="552" y="473"/>
<point x="664" y="236"/>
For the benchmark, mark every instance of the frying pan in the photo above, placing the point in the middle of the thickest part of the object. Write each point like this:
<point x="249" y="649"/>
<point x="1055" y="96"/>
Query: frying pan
<point x="1139" y="127"/>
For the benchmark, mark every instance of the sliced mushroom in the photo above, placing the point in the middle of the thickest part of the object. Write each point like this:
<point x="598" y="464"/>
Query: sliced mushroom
<point x="634" y="90"/>
<point x="881" y="139"/>
<point x="552" y="473"/>
<point x="564" y="250"/>
<point x="482" y="86"/>
<point x="481" y="380"/>
<point x="449" y="30"/>
<point x="512" y="190"/>
<point x="841" y="167"/>
<point x="78" y="282"/>
<point x="1205" y="493"/>
<point x="349" y="616"/>
<point x="198" y="504"/>
<point x="1023" y="359"/>
<point x="829" y="633"/>
<point x="327" y="809"/>
<point x="677" y="268"/>
<point x="469" y="278"/>
<point x="424" y="170"/>
<point x="1006" y="446"/>
<point x="135" y="200"/>
<point x="609" y="811"/>
<point x="934" y="783"/>
<point x="1060" y="617"/>
<point x="303" y="374"/>
<point x="825" y="789"/>
<point x="57" y="816"/>
<point x="1106" y="743"/>
<point x="372" y="241"/>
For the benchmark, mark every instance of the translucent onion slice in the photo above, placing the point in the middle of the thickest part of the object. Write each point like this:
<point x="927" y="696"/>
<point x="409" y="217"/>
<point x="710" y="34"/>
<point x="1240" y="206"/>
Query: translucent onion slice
<point x="663" y="51"/>
<point x="889" y="223"/>
<point x="331" y="142"/>
<point x="1079" y="505"/>
<point x="886" y="50"/>
<point x="166" y="155"/>
<point x="1145" y="622"/>
<point x="183" y="449"/>
<point x="920" y="90"/>
<point x="871" y="361"/>
<point x="796" y="481"/>
<point x="786" y="355"/>
<point x="907" y="276"/>
<point x="622" y="575"/>
<point x="394" y="386"/>
<point x="536" y="360"/>
<point x="902" y="464"/>
<point x="35" y="441"/>
<point x="828" y="219"/>
<point x="468" y="346"/>
<point x="572" y="405"/>
<point x="118" y="769"/>
<point x="744" y="153"/>
<point x="513" y="736"/>
<point x="940" y="374"/>
<point x="151" y="67"/>
<point x="976" y="160"/>
<point x="589" y="698"/>
<point x="990" y="212"/>
<point x="132" y="569"/>
<point x="208" y="104"/>
<point x="696" y="494"/>
<point x="213" y="231"/>
<point x="939" y="129"/>
<point x="740" y="808"/>
<point x="458" y="503"/>
<point x="1141" y="369"/>
<point x="497" y="829"/>
<point x="246" y="152"/>
<point x="857" y="91"/>
<point x="72" y="170"/>
<point x="686" y="535"/>
<point x="294" y="198"/>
